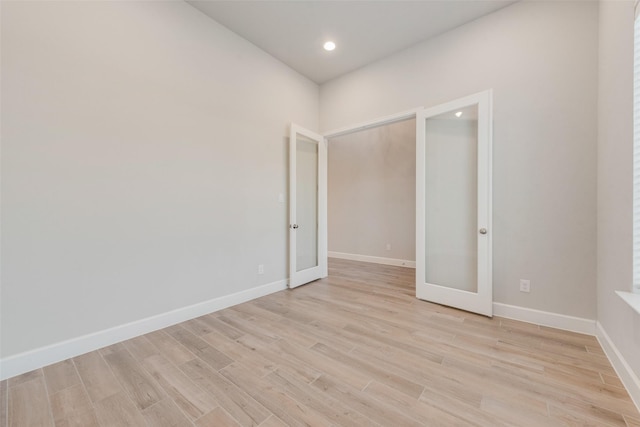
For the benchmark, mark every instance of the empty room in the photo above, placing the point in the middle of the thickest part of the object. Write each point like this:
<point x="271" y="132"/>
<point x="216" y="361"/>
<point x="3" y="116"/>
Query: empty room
<point x="286" y="213"/>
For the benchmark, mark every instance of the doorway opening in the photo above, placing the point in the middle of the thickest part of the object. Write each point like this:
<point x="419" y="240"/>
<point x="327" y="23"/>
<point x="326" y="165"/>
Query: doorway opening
<point x="372" y="194"/>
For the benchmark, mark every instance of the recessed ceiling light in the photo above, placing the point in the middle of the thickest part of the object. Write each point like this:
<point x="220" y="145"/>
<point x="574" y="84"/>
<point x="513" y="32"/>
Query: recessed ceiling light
<point x="459" y="113"/>
<point x="329" y="46"/>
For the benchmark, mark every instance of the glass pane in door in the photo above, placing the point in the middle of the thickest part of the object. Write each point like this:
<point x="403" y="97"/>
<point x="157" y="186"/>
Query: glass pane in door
<point x="451" y="199"/>
<point x="306" y="203"/>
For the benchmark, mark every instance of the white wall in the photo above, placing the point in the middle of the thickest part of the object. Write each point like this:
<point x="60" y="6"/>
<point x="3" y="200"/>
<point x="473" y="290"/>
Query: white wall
<point x="615" y="172"/>
<point x="372" y="192"/>
<point x="541" y="60"/>
<point x="143" y="152"/>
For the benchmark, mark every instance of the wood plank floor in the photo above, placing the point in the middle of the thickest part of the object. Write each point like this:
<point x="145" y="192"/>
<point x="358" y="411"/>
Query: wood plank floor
<point x="355" y="349"/>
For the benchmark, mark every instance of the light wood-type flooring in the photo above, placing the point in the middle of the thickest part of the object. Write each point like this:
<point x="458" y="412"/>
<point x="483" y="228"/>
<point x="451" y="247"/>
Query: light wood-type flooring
<point x="355" y="349"/>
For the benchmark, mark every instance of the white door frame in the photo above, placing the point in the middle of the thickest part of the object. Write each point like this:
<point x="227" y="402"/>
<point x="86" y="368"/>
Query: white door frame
<point x="380" y="121"/>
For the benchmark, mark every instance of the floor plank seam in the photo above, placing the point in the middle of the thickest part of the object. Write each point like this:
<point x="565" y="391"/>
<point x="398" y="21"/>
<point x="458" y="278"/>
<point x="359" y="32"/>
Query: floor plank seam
<point x="46" y="389"/>
<point x="84" y="388"/>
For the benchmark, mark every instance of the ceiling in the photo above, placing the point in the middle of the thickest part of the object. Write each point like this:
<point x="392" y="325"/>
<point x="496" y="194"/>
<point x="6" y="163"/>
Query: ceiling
<point x="364" y="31"/>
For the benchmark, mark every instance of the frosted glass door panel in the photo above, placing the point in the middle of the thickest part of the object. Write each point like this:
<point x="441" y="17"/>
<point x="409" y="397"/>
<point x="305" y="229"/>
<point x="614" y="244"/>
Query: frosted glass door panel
<point x="451" y="199"/>
<point x="306" y="203"/>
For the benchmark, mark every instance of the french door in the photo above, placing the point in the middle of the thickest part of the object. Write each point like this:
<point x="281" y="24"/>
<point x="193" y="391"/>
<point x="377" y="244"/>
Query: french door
<point x="307" y="206"/>
<point x="453" y="204"/>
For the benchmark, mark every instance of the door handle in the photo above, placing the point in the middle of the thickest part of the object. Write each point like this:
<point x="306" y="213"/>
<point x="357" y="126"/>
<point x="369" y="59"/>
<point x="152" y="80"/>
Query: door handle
<point x="483" y="231"/>
<point x="294" y="226"/>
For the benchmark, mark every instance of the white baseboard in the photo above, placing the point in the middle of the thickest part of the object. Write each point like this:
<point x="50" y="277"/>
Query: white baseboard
<point x="34" y="359"/>
<point x="545" y="318"/>
<point x="373" y="259"/>
<point x="622" y="368"/>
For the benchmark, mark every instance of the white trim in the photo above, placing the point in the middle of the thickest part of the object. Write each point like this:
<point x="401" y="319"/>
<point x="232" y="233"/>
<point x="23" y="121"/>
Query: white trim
<point x="43" y="356"/>
<point x="545" y="318"/>
<point x="632" y="299"/>
<point x="373" y="259"/>
<point x="635" y="285"/>
<point x="380" y="121"/>
<point x="620" y="365"/>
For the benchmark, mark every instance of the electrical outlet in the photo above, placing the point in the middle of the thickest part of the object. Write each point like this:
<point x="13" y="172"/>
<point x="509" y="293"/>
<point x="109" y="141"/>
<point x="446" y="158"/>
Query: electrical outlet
<point x="525" y="285"/>
<point x="388" y="246"/>
<point x="260" y="268"/>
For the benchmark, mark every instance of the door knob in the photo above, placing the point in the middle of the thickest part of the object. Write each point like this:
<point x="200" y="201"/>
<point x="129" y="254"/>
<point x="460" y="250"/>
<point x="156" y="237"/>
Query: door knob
<point x="483" y="231"/>
<point x="294" y="226"/>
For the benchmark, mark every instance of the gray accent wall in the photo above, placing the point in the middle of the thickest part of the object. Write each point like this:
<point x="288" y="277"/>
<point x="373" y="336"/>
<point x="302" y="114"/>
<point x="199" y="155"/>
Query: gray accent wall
<point x="372" y="192"/>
